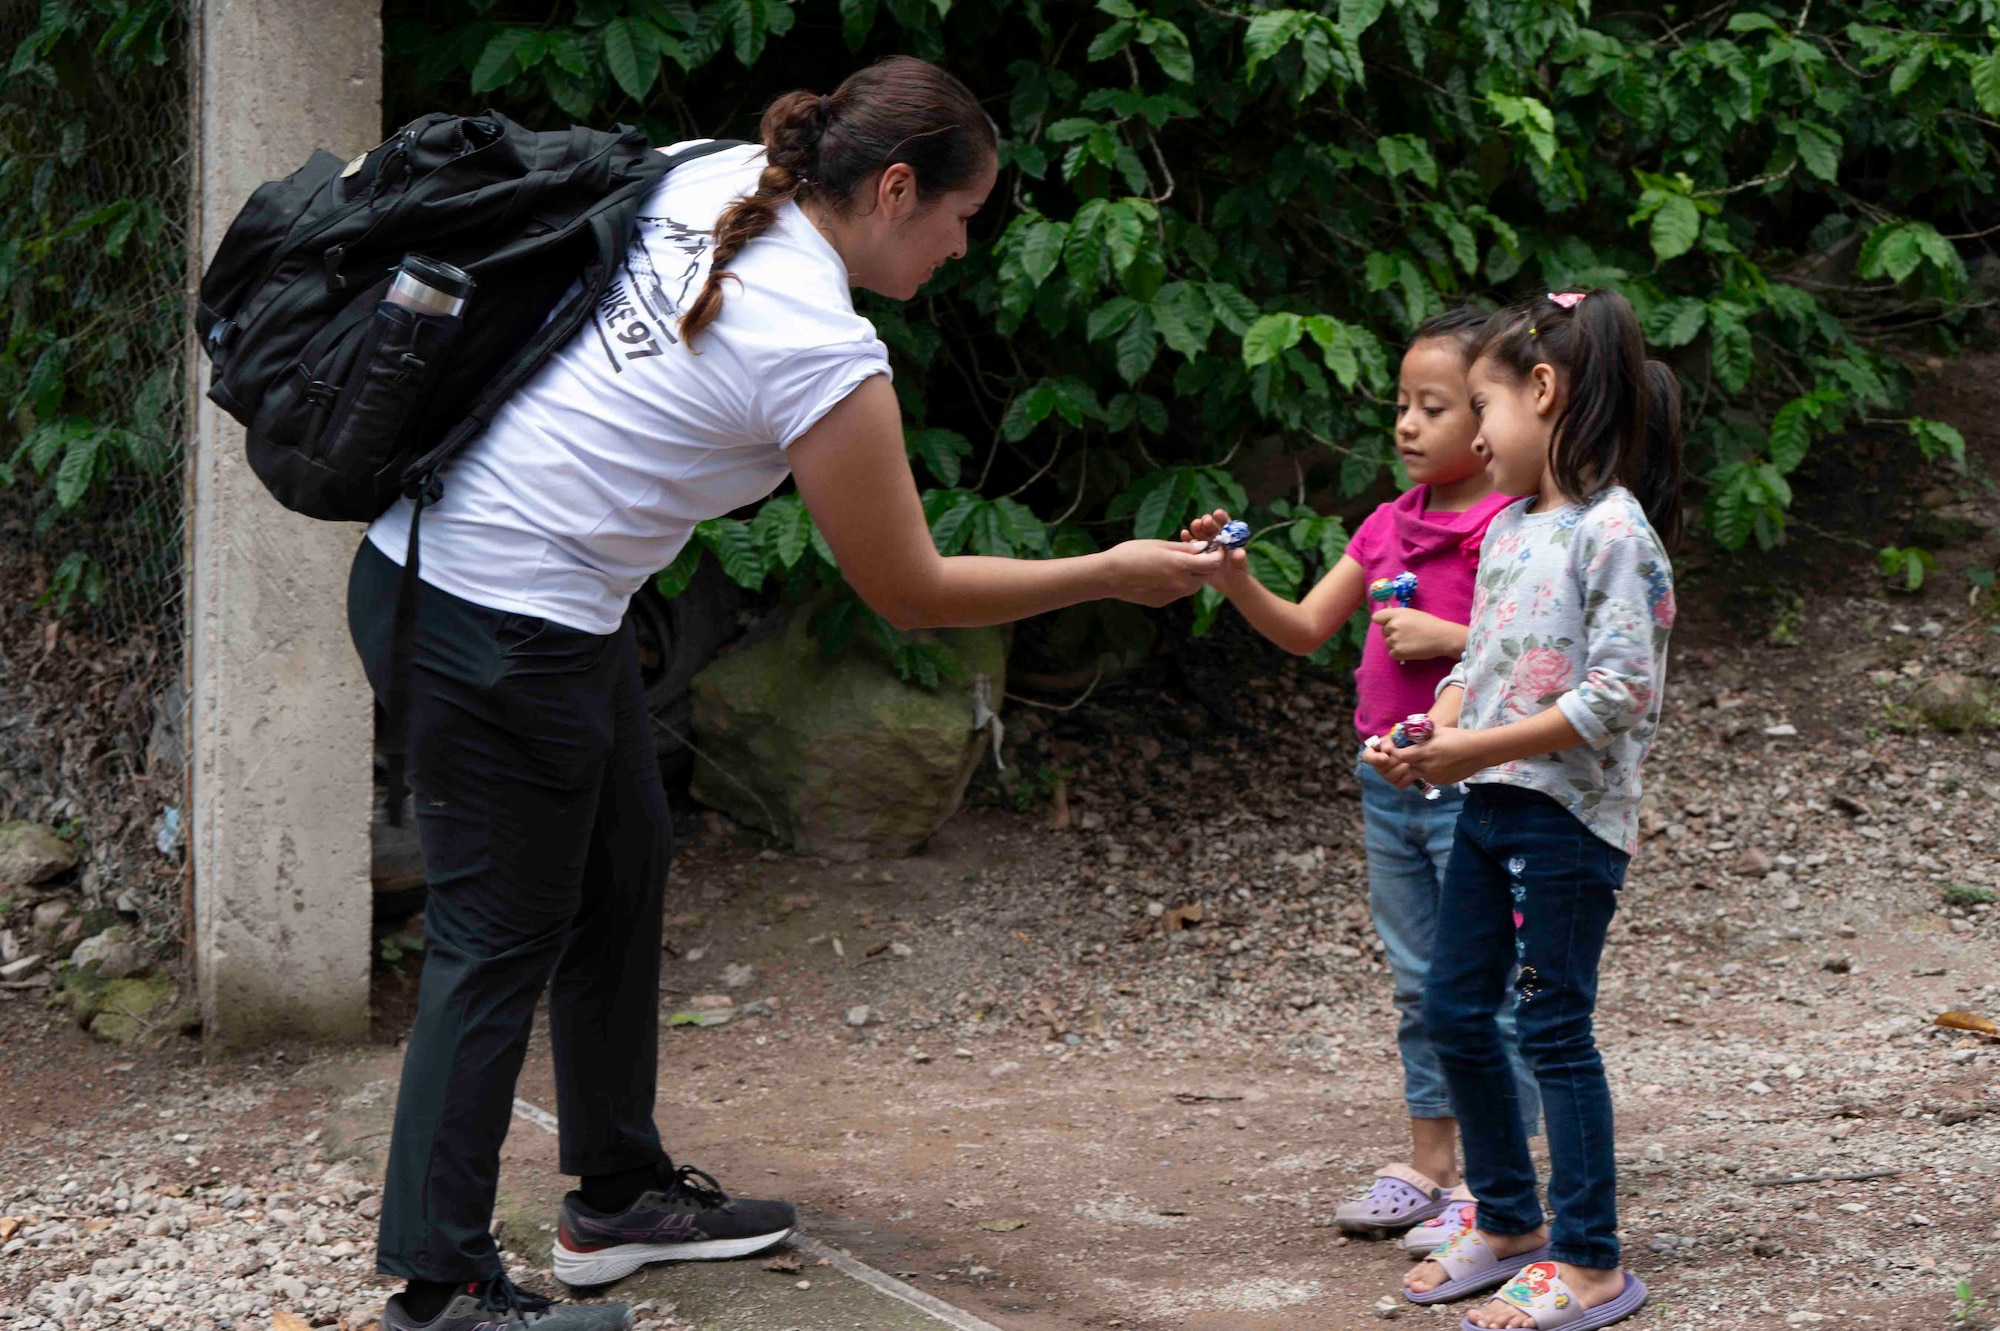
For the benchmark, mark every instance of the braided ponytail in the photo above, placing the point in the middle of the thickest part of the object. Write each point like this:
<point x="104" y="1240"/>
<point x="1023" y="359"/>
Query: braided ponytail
<point x="900" y="109"/>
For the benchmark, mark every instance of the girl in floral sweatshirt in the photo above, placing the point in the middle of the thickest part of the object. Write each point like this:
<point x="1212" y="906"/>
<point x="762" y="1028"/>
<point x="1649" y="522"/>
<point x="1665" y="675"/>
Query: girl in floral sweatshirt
<point x="1548" y="716"/>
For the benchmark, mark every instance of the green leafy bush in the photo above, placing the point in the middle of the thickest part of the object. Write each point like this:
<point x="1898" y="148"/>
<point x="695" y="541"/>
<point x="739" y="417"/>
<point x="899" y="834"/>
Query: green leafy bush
<point x="93" y="184"/>
<point x="1216" y="222"/>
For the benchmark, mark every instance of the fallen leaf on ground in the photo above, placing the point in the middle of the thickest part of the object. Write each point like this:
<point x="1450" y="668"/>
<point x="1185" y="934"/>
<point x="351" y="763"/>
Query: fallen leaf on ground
<point x="284" y="1321"/>
<point x="1968" y="1021"/>
<point x="1001" y="1226"/>
<point x="9" y="1224"/>
<point x="1181" y="917"/>
<point x="706" y="1017"/>
<point x="785" y="1264"/>
<point x="1202" y="1097"/>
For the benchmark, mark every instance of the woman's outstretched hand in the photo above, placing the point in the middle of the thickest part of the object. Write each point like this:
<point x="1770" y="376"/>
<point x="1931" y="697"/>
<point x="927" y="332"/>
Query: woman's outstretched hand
<point x="1235" y="563"/>
<point x="1159" y="572"/>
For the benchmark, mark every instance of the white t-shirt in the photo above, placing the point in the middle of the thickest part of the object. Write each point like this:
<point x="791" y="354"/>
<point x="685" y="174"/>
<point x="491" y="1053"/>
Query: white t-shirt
<point x="592" y="476"/>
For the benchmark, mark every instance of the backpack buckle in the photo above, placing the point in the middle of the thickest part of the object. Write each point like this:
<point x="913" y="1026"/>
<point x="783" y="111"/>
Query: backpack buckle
<point x="334" y="281"/>
<point x="409" y="365"/>
<point x="319" y="393"/>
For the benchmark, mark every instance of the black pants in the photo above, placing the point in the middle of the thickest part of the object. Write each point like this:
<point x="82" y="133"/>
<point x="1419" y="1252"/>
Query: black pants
<point x="545" y="839"/>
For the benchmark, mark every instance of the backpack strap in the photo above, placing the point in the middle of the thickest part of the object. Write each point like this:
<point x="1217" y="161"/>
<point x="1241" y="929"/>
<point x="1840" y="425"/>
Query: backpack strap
<point x="422" y="486"/>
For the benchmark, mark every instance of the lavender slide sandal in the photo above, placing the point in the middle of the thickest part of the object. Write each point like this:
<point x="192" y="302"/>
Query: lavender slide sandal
<point x="1470" y="1267"/>
<point x="1400" y="1197"/>
<point x="1539" y="1292"/>
<point x="1443" y="1227"/>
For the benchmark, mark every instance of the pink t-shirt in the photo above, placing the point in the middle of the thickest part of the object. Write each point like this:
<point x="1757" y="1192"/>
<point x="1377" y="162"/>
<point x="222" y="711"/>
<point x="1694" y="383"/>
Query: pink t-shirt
<point x="1442" y="549"/>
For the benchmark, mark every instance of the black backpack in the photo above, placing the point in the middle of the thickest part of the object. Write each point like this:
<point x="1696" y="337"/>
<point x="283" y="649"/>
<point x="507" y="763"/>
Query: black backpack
<point x="349" y="403"/>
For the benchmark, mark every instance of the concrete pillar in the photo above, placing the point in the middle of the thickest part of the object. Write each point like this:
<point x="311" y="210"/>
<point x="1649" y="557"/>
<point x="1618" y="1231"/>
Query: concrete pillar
<point x="282" y="719"/>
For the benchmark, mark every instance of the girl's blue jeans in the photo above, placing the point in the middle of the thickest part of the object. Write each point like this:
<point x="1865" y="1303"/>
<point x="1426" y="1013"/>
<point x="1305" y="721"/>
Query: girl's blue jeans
<point x="1408" y="841"/>
<point x="1529" y="890"/>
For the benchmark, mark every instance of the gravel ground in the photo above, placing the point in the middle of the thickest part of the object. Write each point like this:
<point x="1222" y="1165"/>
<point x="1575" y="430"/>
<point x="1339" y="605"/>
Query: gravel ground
<point x="1176" y="890"/>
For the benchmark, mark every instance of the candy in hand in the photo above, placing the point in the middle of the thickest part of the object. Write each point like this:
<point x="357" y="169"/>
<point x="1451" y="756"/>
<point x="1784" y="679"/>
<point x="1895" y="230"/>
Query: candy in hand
<point x="1413" y="729"/>
<point x="1233" y="535"/>
<point x="1401" y="590"/>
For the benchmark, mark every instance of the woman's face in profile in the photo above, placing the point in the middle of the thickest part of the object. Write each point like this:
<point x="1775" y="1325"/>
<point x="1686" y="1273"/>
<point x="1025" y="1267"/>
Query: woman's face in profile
<point x="918" y="236"/>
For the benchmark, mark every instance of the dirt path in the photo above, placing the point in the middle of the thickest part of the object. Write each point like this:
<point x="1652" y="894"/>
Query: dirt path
<point x="1121" y="1058"/>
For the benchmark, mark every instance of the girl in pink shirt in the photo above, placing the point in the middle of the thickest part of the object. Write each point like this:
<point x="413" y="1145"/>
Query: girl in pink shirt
<point x="1433" y="530"/>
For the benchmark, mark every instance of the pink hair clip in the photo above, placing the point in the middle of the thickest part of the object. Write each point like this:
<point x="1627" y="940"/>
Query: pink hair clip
<point x="1569" y="300"/>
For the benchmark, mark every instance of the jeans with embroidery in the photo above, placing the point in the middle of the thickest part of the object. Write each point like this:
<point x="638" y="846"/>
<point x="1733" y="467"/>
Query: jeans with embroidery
<point x="1408" y="841"/>
<point x="1529" y="888"/>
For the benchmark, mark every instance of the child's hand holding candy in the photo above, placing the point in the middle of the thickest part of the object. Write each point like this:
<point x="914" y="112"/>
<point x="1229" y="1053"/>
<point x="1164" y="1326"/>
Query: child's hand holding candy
<point x="1448" y="757"/>
<point x="1412" y="635"/>
<point x="1216" y="531"/>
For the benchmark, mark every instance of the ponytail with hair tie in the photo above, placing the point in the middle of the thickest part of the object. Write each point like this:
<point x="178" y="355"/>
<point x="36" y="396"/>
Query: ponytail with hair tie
<point x="1621" y="423"/>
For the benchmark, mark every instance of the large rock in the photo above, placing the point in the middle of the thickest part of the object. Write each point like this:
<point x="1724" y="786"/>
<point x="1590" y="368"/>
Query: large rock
<point x="1953" y="702"/>
<point x="31" y="854"/>
<point x="128" y="1011"/>
<point x="839" y="758"/>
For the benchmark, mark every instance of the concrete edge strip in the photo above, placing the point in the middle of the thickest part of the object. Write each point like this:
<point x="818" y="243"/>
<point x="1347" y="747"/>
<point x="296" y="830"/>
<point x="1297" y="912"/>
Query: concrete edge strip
<point x="854" y="1269"/>
<point x="883" y="1283"/>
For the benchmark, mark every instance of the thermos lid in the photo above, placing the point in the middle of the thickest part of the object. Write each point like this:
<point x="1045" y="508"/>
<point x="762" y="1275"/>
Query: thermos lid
<point x="436" y="273"/>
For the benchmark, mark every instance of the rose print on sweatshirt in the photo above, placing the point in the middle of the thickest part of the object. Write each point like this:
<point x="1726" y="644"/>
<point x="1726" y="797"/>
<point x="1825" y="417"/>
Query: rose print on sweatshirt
<point x="1541" y="674"/>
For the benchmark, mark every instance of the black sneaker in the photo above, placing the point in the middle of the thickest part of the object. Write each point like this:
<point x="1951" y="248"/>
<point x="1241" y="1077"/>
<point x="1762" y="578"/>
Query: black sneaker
<point x="688" y="1219"/>
<point x="500" y="1305"/>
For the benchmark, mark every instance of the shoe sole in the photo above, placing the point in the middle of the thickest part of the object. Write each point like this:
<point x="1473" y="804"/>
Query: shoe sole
<point x="585" y="1269"/>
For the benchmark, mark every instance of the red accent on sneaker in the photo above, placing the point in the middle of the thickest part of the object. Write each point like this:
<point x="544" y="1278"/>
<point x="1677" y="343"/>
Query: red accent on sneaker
<point x="568" y="1240"/>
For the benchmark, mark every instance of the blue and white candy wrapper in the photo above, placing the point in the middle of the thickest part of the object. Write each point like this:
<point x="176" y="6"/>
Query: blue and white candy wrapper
<point x="1233" y="536"/>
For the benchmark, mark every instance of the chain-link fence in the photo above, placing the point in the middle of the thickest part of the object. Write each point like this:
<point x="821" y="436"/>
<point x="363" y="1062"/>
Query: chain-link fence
<point x="94" y="190"/>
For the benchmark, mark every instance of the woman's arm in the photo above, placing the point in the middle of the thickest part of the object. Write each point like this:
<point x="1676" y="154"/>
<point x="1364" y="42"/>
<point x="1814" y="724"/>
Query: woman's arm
<point x="856" y="482"/>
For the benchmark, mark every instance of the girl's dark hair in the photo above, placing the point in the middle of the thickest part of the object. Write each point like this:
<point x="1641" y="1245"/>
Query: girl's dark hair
<point x="1459" y="325"/>
<point x="900" y="109"/>
<point x="1621" y="424"/>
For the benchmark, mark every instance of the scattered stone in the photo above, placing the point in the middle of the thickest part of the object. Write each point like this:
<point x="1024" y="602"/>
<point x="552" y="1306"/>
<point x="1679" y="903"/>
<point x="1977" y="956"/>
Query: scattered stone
<point x="738" y="977"/>
<point x="111" y="955"/>
<point x="45" y="924"/>
<point x="31" y="854"/>
<point x="1782" y="731"/>
<point x="1003" y="1069"/>
<point x="1953" y="702"/>
<point x="859" y="1014"/>
<point x="21" y="969"/>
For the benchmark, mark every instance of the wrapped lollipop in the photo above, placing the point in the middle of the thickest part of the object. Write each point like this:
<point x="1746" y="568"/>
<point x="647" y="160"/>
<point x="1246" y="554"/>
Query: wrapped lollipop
<point x="1398" y="591"/>
<point x="1233" y="536"/>
<point x="1413" y="729"/>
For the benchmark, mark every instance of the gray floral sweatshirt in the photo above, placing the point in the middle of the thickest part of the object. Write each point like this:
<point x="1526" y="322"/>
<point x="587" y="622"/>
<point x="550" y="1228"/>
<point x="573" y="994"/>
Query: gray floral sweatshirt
<point x="1572" y="610"/>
